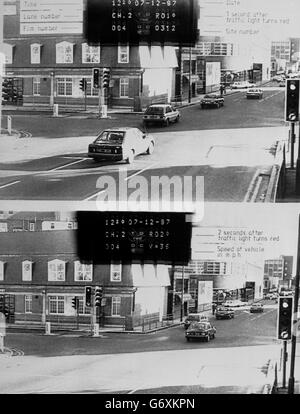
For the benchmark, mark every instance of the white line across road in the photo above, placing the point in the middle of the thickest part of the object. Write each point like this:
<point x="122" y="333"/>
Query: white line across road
<point x="67" y="165"/>
<point x="125" y="179"/>
<point x="9" y="184"/>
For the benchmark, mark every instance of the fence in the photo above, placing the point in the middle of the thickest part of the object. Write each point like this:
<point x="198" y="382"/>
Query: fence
<point x="147" y="322"/>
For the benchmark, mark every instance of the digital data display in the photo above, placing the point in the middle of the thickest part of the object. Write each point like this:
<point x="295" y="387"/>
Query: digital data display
<point x="167" y="22"/>
<point x="103" y="237"/>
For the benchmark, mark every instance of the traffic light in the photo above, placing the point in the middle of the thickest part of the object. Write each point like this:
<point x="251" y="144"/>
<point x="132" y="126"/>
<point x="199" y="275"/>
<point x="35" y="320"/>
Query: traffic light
<point x="292" y="100"/>
<point x="7" y="90"/>
<point x="82" y="84"/>
<point x="75" y="302"/>
<point x="96" y="78"/>
<point x="285" y="312"/>
<point x="98" y="295"/>
<point x="88" y="296"/>
<point x="105" y="77"/>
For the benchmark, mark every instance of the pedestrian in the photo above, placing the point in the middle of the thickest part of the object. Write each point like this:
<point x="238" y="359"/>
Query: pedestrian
<point x="213" y="308"/>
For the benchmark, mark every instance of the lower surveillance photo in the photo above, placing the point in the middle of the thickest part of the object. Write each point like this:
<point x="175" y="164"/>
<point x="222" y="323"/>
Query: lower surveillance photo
<point x="223" y="293"/>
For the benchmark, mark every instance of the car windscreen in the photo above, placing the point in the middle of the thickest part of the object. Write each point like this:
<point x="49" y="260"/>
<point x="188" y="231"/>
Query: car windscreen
<point x="154" y="110"/>
<point x="199" y="325"/>
<point x="210" y="96"/>
<point x="193" y="317"/>
<point x="111" y="137"/>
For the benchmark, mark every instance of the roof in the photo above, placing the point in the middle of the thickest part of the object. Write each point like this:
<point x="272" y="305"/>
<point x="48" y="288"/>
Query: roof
<point x="38" y="243"/>
<point x="159" y="105"/>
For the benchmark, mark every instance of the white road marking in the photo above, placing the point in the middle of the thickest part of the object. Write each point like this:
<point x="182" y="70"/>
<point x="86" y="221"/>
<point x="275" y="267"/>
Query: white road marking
<point x="8" y="185"/>
<point x="67" y="165"/>
<point x="139" y="172"/>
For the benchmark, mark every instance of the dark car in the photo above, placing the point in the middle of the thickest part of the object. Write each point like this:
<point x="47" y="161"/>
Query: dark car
<point x="224" y="313"/>
<point x="194" y="317"/>
<point x="256" y="308"/>
<point x="119" y="144"/>
<point x="200" y="330"/>
<point x="212" y="101"/>
<point x="160" y="114"/>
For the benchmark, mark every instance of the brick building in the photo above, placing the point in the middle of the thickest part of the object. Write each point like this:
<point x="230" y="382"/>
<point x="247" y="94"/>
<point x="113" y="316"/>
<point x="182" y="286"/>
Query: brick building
<point x="47" y="55"/>
<point x="40" y="274"/>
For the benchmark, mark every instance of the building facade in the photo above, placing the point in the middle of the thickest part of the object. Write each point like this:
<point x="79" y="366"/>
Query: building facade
<point x="40" y="274"/>
<point x="278" y="272"/>
<point x="46" y="59"/>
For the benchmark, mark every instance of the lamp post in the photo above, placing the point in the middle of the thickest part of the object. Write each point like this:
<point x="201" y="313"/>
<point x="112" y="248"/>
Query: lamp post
<point x="51" y="89"/>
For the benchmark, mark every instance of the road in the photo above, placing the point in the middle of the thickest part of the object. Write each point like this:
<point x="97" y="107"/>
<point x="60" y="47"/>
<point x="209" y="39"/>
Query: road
<point x="226" y="146"/>
<point x="235" y="362"/>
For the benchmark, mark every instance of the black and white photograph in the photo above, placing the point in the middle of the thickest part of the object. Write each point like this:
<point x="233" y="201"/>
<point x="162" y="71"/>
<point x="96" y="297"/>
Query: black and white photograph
<point x="149" y="199"/>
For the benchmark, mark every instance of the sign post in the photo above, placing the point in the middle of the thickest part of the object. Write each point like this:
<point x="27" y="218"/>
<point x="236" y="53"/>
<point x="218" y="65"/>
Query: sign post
<point x="2" y="331"/>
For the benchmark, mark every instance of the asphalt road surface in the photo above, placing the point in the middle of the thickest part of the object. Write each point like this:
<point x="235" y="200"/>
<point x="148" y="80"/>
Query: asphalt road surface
<point x="226" y="146"/>
<point x="236" y="361"/>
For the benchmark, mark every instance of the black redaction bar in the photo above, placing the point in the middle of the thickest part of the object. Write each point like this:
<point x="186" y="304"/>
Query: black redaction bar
<point x="163" y="22"/>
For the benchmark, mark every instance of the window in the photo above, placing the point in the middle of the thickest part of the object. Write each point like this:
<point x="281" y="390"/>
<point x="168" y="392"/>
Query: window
<point x="124" y="87"/>
<point x="64" y="52"/>
<point x="64" y="86"/>
<point x="90" y="54"/>
<point x="35" y="53"/>
<point x="90" y="91"/>
<point x="27" y="271"/>
<point x="31" y="226"/>
<point x="28" y="303"/>
<point x="56" y="305"/>
<point x="83" y="271"/>
<point x="8" y="52"/>
<point x="1" y="270"/>
<point x="83" y="310"/>
<point x="123" y="54"/>
<point x="115" y="306"/>
<point x="36" y="84"/>
<point x="56" y="270"/>
<point x="116" y="272"/>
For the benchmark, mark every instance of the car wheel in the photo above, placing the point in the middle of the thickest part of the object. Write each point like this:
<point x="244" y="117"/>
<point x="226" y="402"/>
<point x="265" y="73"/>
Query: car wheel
<point x="167" y="122"/>
<point x="207" y="338"/>
<point x="177" y="118"/>
<point x="150" y="148"/>
<point x="130" y="157"/>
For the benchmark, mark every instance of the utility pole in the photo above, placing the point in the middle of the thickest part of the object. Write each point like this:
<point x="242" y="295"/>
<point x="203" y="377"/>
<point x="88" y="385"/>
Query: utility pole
<point x="190" y="74"/>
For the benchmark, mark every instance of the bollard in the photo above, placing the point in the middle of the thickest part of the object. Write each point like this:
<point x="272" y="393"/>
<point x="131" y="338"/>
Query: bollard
<point x="48" y="328"/>
<point x="9" y="124"/>
<point x="1" y="343"/>
<point x="55" y="110"/>
<point x="103" y="111"/>
<point x="96" y="329"/>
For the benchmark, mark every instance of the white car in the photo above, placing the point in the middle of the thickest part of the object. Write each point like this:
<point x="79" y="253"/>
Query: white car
<point x="160" y="114"/>
<point x="242" y="85"/>
<point x="234" y="303"/>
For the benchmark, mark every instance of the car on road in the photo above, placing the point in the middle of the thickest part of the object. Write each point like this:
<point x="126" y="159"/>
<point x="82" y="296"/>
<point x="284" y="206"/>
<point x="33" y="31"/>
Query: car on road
<point x="160" y="114"/>
<point x="256" y="308"/>
<point x="233" y="303"/>
<point x="212" y="101"/>
<point x="200" y="330"/>
<point x="121" y="144"/>
<point x="242" y="85"/>
<point x="254" y="93"/>
<point x="282" y="84"/>
<point x="278" y="78"/>
<point x="223" y="312"/>
<point x="194" y="317"/>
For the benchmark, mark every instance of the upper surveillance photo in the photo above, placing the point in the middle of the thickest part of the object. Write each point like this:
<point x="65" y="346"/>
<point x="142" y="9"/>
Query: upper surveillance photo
<point x="149" y="98"/>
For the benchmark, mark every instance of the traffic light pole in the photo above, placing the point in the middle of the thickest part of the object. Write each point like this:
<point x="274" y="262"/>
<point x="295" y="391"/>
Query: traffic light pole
<point x="284" y="364"/>
<point x="292" y="137"/>
<point x="291" y="385"/>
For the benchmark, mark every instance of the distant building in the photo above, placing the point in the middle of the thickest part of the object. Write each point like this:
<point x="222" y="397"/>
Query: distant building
<point x="278" y="272"/>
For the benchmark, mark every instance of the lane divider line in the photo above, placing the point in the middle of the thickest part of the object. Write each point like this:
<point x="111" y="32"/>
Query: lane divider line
<point x="9" y="184"/>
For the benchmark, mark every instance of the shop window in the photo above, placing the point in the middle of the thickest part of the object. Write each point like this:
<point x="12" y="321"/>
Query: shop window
<point x="56" y="305"/>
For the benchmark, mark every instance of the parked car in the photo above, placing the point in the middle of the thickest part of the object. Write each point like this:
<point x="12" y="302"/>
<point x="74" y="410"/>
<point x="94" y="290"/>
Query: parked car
<point x="282" y="84"/>
<point x="242" y="85"/>
<point x="256" y="308"/>
<point x="212" y="101"/>
<point x="200" y="330"/>
<point x="194" y="317"/>
<point x="255" y="93"/>
<point x="223" y="312"/>
<point x="160" y="113"/>
<point x="278" y="78"/>
<point x="121" y="144"/>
